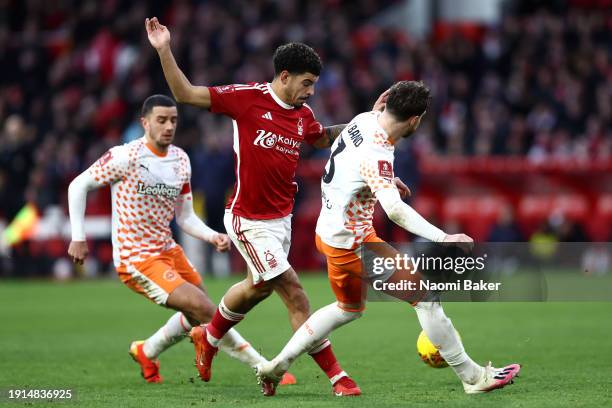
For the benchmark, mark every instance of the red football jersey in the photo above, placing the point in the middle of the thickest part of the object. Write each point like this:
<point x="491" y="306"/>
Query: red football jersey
<point x="268" y="134"/>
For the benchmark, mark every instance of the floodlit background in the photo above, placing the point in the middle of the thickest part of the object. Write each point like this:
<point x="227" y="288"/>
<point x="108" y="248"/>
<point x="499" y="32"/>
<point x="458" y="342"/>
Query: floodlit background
<point x="517" y="144"/>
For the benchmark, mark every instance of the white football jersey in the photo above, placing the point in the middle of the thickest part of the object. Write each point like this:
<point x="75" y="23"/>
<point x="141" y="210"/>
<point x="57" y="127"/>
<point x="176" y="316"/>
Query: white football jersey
<point x="360" y="164"/>
<point x="145" y="186"/>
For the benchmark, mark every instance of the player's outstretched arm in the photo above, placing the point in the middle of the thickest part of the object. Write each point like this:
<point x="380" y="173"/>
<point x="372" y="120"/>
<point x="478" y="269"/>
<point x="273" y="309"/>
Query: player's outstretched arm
<point x="465" y="242"/>
<point x="330" y="133"/>
<point x="187" y="219"/>
<point x="406" y="217"/>
<point x="77" y="201"/>
<point x="182" y="89"/>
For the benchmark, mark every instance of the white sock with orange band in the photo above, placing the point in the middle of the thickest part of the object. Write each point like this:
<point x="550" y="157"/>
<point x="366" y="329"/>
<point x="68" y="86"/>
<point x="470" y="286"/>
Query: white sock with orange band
<point x="234" y="345"/>
<point x="312" y="333"/>
<point x="178" y="327"/>
<point x="173" y="331"/>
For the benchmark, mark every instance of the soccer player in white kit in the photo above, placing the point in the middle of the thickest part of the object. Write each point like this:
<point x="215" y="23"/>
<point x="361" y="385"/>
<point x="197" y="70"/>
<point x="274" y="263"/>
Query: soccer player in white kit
<point x="358" y="174"/>
<point x="150" y="184"/>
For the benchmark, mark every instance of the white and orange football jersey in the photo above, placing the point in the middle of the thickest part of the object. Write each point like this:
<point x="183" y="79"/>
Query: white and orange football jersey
<point x="145" y="187"/>
<point x="360" y="164"/>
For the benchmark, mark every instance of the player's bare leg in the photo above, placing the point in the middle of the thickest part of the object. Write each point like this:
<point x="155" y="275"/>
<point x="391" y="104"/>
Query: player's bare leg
<point x="193" y="302"/>
<point x="194" y="306"/>
<point x="291" y="291"/>
<point x="293" y="295"/>
<point x="243" y="296"/>
<point x="310" y="336"/>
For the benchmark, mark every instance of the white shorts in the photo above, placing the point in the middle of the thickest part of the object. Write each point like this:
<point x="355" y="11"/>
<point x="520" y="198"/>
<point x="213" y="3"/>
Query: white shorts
<point x="264" y="244"/>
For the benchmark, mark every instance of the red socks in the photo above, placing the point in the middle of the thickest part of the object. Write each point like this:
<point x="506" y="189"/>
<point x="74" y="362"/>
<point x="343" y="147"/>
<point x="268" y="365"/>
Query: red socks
<point x="326" y="359"/>
<point x="222" y="321"/>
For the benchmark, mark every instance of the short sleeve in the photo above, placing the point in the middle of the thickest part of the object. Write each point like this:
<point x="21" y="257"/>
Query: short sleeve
<point x="377" y="172"/>
<point x="314" y="132"/>
<point x="314" y="129"/>
<point x="111" y="167"/>
<point x="231" y="100"/>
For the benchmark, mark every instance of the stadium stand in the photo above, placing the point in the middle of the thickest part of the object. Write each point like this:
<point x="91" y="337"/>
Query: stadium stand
<point x="520" y="126"/>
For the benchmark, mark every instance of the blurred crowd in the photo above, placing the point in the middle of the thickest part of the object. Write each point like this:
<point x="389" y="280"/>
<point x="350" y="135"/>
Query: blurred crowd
<point x="76" y="72"/>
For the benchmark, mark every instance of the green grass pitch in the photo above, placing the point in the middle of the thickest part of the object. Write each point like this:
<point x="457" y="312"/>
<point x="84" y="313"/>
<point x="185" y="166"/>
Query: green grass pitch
<point x="76" y="335"/>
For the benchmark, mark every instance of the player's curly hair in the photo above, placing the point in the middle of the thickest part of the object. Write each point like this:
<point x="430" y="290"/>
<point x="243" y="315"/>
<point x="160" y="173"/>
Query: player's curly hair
<point x="296" y="58"/>
<point x="407" y="99"/>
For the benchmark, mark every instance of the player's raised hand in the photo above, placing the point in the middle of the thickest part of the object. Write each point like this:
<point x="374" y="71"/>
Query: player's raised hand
<point x="78" y="251"/>
<point x="221" y="242"/>
<point x="159" y="35"/>
<point x="380" y="103"/>
<point x="465" y="242"/>
<point x="402" y="188"/>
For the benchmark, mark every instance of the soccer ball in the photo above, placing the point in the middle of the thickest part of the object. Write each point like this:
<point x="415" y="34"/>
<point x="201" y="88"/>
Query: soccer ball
<point x="429" y="353"/>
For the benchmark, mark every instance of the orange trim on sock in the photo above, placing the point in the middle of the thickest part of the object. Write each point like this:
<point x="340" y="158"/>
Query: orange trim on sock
<point x="350" y="309"/>
<point x="243" y="347"/>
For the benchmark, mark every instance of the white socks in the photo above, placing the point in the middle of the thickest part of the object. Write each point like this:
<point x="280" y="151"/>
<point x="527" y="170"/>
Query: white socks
<point x="311" y="336"/>
<point x="442" y="334"/>
<point x="178" y="327"/>
<point x="313" y="333"/>
<point x="174" y="330"/>
<point x="237" y="347"/>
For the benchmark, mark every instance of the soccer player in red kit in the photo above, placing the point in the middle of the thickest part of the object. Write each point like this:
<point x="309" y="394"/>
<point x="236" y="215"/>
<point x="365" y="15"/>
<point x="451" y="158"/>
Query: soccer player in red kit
<point x="271" y="121"/>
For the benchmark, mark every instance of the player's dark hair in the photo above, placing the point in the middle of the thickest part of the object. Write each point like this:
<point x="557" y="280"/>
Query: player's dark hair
<point x="296" y="58"/>
<point x="407" y="99"/>
<point x="156" y="100"/>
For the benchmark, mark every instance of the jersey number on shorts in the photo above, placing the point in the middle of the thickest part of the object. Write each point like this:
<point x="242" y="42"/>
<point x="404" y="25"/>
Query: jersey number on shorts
<point x="329" y="175"/>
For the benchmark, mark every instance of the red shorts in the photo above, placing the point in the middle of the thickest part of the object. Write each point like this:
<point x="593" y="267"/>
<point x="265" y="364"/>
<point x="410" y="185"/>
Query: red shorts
<point x="157" y="276"/>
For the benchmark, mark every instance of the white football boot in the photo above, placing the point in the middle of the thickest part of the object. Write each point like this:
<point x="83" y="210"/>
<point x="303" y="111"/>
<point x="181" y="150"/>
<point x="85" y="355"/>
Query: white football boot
<point x="493" y="378"/>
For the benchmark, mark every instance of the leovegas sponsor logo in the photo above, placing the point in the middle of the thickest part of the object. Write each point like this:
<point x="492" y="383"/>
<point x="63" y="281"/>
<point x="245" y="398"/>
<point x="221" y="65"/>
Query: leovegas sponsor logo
<point x="158" y="190"/>
<point x="270" y="140"/>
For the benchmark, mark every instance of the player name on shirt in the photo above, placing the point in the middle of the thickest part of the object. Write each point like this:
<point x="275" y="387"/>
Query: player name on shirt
<point x="360" y="163"/>
<point x="355" y="135"/>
